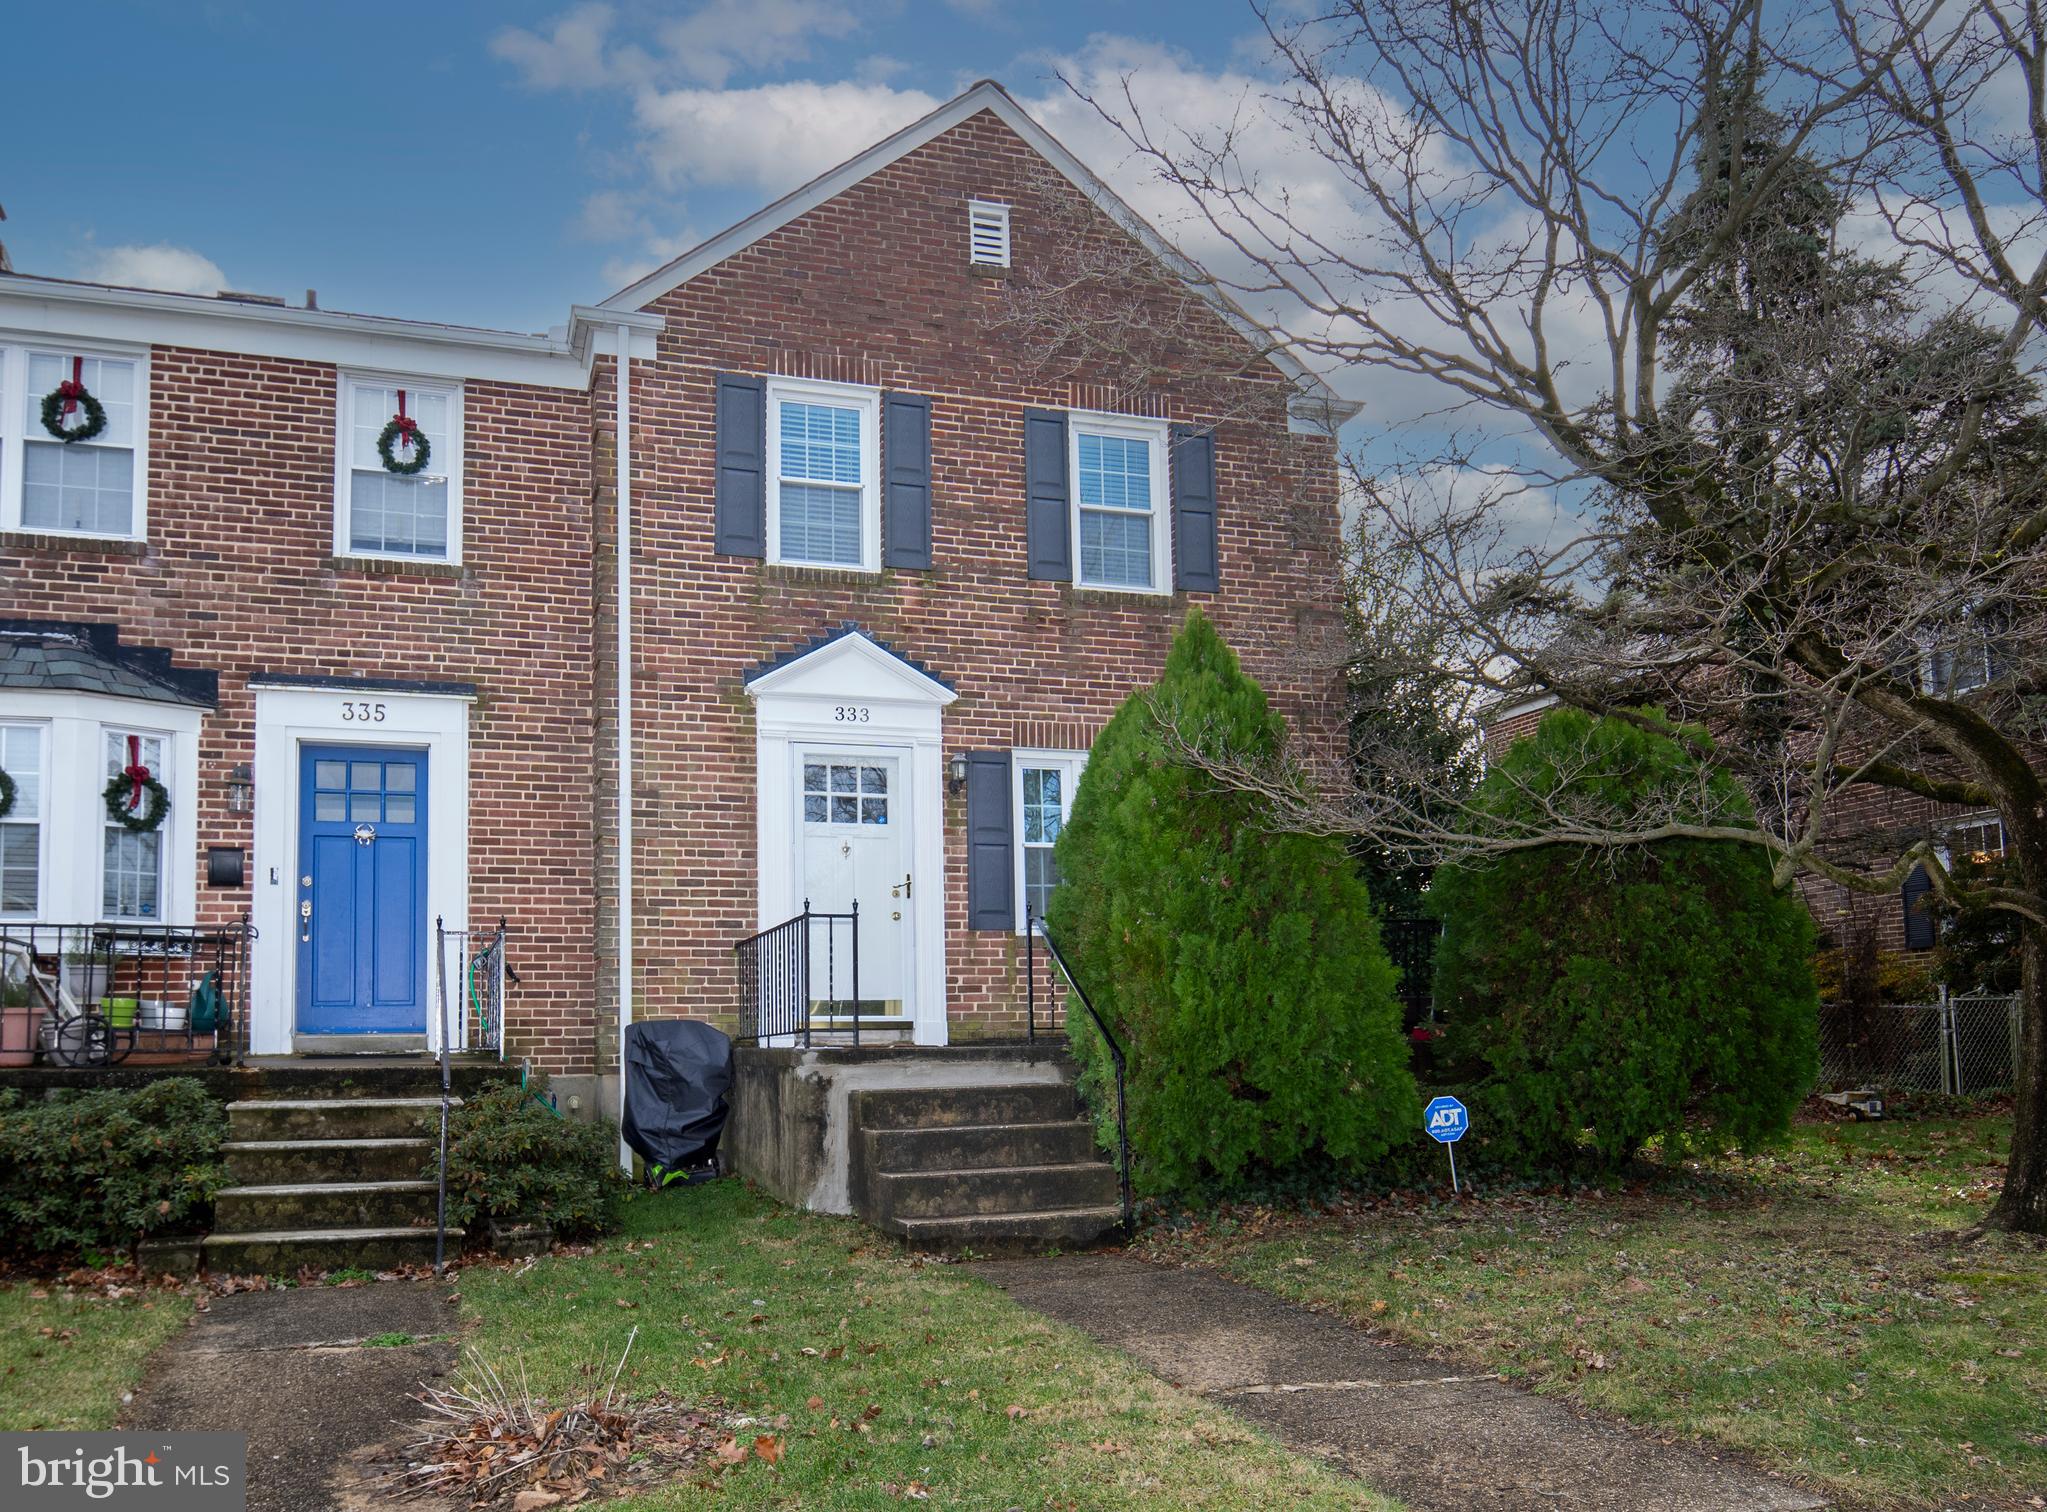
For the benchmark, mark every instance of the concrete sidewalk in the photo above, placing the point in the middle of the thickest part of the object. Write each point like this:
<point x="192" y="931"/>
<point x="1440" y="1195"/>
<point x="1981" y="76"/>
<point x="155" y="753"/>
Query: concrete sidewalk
<point x="1407" y="1425"/>
<point x="290" y="1368"/>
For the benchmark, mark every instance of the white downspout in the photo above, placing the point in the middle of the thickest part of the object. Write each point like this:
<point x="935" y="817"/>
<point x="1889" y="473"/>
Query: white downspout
<point x="625" y="719"/>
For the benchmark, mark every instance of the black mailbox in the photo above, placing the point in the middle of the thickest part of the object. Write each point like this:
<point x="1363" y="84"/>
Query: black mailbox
<point x="224" y="866"/>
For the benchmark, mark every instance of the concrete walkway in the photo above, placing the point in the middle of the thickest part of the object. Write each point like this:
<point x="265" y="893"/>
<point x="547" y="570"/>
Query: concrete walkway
<point x="290" y="1368"/>
<point x="1407" y="1425"/>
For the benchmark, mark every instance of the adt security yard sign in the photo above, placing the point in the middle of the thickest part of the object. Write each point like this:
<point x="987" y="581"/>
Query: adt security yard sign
<point x="1447" y="1121"/>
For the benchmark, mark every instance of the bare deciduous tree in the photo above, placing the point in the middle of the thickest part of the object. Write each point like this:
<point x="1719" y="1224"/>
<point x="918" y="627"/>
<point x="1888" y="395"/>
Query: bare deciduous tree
<point x="1756" y="291"/>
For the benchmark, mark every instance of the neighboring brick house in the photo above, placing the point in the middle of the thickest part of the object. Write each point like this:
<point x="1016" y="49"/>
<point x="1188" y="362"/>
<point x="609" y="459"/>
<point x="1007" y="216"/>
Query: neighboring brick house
<point x="884" y="590"/>
<point x="1867" y="826"/>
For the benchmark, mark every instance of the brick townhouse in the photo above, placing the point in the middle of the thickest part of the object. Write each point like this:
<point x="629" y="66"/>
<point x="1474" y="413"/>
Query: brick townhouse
<point x="1867" y="826"/>
<point x="882" y="587"/>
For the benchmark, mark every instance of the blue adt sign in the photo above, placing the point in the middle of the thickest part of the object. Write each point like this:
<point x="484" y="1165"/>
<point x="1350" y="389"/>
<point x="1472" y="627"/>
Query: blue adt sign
<point x="1446" y="1119"/>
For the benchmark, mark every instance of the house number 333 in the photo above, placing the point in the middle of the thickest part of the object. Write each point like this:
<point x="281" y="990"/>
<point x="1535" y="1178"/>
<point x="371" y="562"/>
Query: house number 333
<point x="363" y="713"/>
<point x="850" y="713"/>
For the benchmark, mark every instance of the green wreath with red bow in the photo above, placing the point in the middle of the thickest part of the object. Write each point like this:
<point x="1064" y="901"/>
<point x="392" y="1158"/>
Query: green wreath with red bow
<point x="402" y="431"/>
<point x="125" y="794"/>
<point x="65" y="400"/>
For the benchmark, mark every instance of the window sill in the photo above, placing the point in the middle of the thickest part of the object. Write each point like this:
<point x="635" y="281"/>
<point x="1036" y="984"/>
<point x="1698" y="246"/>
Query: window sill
<point x="57" y="541"/>
<point x="818" y="572"/>
<point x="1128" y="597"/>
<point x="362" y="566"/>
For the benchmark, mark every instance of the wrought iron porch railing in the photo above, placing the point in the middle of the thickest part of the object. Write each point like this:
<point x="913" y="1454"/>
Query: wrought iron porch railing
<point x="481" y="973"/>
<point x="778" y="977"/>
<point x="78" y="995"/>
<point x="1055" y="1018"/>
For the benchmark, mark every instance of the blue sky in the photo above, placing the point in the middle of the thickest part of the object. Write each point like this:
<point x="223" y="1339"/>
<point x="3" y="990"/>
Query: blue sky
<point x="492" y="164"/>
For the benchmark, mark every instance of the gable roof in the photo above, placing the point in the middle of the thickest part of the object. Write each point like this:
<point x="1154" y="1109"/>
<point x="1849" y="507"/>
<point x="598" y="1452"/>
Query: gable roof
<point x="761" y="677"/>
<point x="1323" y="407"/>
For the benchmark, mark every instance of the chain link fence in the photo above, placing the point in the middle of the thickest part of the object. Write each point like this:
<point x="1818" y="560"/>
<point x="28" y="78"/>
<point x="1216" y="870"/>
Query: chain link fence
<point x="1962" y="1045"/>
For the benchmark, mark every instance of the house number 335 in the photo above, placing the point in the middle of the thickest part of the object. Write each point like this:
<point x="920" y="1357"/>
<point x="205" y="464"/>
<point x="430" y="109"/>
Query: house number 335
<point x="363" y="713"/>
<point x="850" y="713"/>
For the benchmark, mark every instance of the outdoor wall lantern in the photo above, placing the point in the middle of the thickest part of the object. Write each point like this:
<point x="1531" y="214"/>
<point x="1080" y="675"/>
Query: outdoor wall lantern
<point x="956" y="773"/>
<point x="241" y="789"/>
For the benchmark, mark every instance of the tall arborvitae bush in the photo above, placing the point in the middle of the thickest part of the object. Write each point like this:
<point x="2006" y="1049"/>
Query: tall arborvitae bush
<point x="1241" y="968"/>
<point x="1599" y="999"/>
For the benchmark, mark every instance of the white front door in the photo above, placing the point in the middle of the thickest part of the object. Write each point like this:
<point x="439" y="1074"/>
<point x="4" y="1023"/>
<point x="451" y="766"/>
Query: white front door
<point x="853" y="839"/>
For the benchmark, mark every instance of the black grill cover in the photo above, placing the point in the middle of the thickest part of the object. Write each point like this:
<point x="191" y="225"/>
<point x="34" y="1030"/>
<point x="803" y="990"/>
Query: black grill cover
<point x="677" y="1073"/>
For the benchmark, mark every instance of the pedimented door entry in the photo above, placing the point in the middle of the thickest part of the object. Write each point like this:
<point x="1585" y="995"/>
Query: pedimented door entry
<point x="853" y="836"/>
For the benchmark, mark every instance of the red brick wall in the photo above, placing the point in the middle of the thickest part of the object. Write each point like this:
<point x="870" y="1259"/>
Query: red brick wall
<point x="874" y="288"/>
<point x="238" y="576"/>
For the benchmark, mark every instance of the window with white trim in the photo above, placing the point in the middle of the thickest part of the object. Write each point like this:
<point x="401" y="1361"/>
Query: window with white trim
<point x="131" y="871"/>
<point x="1043" y="784"/>
<point x="1119" y="503"/>
<point x="988" y="233"/>
<point x="406" y="516"/>
<point x="81" y="487"/>
<point x="824" y="488"/>
<point x="1980" y="839"/>
<point x="21" y="831"/>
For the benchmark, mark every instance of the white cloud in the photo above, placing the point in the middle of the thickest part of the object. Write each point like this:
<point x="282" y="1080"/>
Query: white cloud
<point x="771" y="137"/>
<point x="724" y="36"/>
<point x="580" y="49"/>
<point x="574" y="54"/>
<point x="175" y="270"/>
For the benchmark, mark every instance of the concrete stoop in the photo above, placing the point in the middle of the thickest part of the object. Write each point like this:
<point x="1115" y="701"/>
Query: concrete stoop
<point x="988" y="1168"/>
<point x="327" y="1166"/>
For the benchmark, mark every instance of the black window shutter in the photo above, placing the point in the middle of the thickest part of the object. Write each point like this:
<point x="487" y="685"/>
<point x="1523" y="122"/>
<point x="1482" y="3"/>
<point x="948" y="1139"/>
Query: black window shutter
<point x="906" y="498"/>
<point x="1047" y="528"/>
<point x="991" y="867"/>
<point x="742" y="466"/>
<point x="1194" y="555"/>
<point x="1918" y="921"/>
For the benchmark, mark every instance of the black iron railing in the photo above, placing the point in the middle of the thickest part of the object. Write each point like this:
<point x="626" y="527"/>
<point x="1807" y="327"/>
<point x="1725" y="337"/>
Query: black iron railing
<point x="477" y="1025"/>
<point x="1055" y="1017"/>
<point x="481" y="974"/>
<point x="1412" y="945"/>
<point x="99" y="994"/>
<point x="790" y="975"/>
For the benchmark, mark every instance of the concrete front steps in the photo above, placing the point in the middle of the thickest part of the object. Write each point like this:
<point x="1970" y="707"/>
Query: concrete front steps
<point x="989" y="1168"/>
<point x="330" y="1167"/>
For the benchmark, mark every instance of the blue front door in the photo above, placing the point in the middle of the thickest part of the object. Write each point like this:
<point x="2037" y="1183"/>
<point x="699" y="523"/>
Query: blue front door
<point x="361" y="908"/>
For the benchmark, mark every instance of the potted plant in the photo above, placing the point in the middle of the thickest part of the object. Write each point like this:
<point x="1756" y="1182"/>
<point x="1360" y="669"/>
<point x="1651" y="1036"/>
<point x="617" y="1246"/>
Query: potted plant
<point x="121" y="1011"/>
<point x="85" y="974"/>
<point x="20" y="1010"/>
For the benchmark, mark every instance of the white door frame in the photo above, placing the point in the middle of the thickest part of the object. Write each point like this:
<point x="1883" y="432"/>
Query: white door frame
<point x="291" y="715"/>
<point x="852" y="692"/>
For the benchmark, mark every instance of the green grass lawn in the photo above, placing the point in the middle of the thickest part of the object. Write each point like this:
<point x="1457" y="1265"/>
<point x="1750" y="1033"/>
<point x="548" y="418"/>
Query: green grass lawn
<point x="1814" y="1306"/>
<point x="66" y="1357"/>
<point x="899" y="1380"/>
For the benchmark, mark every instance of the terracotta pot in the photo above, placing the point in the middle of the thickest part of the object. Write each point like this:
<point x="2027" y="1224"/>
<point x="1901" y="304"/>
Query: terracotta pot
<point x="18" y="1033"/>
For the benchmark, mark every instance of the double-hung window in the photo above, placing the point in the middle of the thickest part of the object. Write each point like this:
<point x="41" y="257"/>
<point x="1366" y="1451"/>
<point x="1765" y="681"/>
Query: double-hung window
<point x="84" y="486"/>
<point x="21" y="831"/>
<point x="824" y="494"/>
<point x="131" y="873"/>
<point x="1044" y="783"/>
<point x="1119" y="503"/>
<point x="1979" y="839"/>
<point x="404" y="516"/>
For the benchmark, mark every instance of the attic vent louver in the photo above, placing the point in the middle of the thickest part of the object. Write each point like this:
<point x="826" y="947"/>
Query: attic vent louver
<point x="988" y="233"/>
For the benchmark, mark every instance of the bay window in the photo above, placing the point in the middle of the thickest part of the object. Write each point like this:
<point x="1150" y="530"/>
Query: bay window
<point x="21" y="829"/>
<point x="131" y="870"/>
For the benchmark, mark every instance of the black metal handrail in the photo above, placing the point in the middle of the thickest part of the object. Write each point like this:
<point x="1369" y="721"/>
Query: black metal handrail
<point x="481" y="1021"/>
<point x="1034" y="931"/>
<point x="96" y="994"/>
<point x="776" y="975"/>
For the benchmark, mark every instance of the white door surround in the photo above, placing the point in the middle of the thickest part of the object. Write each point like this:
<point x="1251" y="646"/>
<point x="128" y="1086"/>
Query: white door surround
<point x="851" y="693"/>
<point x="291" y="713"/>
